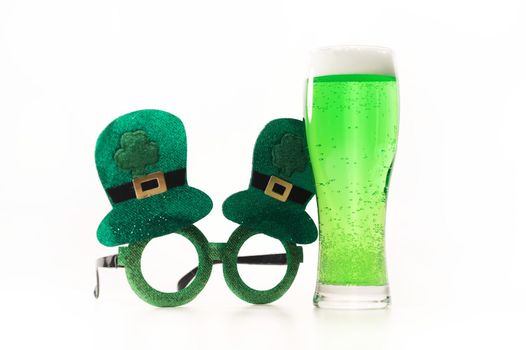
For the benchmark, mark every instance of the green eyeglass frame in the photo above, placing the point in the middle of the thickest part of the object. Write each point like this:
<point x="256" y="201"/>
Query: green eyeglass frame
<point x="209" y="253"/>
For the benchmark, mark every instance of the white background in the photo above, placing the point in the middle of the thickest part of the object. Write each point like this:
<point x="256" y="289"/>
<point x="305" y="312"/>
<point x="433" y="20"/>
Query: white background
<point x="455" y="228"/>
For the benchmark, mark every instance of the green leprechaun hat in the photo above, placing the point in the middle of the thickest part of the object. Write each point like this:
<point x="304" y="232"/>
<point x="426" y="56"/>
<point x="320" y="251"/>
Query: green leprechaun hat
<point x="141" y="161"/>
<point x="280" y="187"/>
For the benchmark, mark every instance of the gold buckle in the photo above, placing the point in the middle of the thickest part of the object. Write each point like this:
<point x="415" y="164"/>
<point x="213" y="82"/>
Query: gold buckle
<point x="269" y="190"/>
<point x="140" y="193"/>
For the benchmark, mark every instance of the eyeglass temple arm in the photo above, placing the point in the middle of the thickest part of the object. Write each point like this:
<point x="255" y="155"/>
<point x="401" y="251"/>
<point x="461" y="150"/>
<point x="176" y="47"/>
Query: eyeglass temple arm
<point x="105" y="261"/>
<point x="268" y="259"/>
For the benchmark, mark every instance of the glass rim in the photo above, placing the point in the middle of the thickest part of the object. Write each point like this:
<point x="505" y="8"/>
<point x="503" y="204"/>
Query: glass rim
<point x="350" y="47"/>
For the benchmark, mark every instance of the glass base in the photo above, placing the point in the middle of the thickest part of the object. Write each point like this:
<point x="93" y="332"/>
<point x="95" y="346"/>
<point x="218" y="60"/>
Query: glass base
<point x="351" y="297"/>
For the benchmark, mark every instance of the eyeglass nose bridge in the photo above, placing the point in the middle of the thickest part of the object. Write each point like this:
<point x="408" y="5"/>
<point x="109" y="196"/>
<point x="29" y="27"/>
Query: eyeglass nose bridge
<point x="216" y="251"/>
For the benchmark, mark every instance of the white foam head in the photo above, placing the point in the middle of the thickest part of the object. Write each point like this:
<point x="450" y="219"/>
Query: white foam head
<point x="335" y="60"/>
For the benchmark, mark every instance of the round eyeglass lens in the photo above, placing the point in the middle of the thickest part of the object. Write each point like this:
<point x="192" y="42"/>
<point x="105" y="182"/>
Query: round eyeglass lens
<point x="262" y="262"/>
<point x="166" y="259"/>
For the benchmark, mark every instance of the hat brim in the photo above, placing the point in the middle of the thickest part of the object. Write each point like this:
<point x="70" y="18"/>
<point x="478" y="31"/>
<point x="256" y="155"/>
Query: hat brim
<point x="282" y="220"/>
<point x="143" y="219"/>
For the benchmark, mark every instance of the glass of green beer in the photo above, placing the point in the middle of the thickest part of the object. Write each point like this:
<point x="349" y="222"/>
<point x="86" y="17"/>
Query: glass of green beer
<point x="352" y="129"/>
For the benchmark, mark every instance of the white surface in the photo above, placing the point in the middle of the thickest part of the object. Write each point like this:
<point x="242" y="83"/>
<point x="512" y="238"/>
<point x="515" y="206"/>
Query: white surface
<point x="351" y="60"/>
<point x="456" y="234"/>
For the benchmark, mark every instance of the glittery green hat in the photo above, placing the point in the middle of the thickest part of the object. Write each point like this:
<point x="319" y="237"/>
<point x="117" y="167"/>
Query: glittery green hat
<point x="280" y="187"/>
<point x="141" y="161"/>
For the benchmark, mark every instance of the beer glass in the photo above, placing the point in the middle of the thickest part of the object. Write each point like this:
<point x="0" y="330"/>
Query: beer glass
<point x="352" y="128"/>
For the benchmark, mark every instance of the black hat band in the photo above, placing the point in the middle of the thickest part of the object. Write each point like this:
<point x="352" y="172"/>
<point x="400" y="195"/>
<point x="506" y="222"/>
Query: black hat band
<point x="147" y="186"/>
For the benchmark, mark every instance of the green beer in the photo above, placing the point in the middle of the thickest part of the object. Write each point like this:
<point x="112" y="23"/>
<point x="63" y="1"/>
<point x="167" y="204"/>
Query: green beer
<point x="352" y="129"/>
